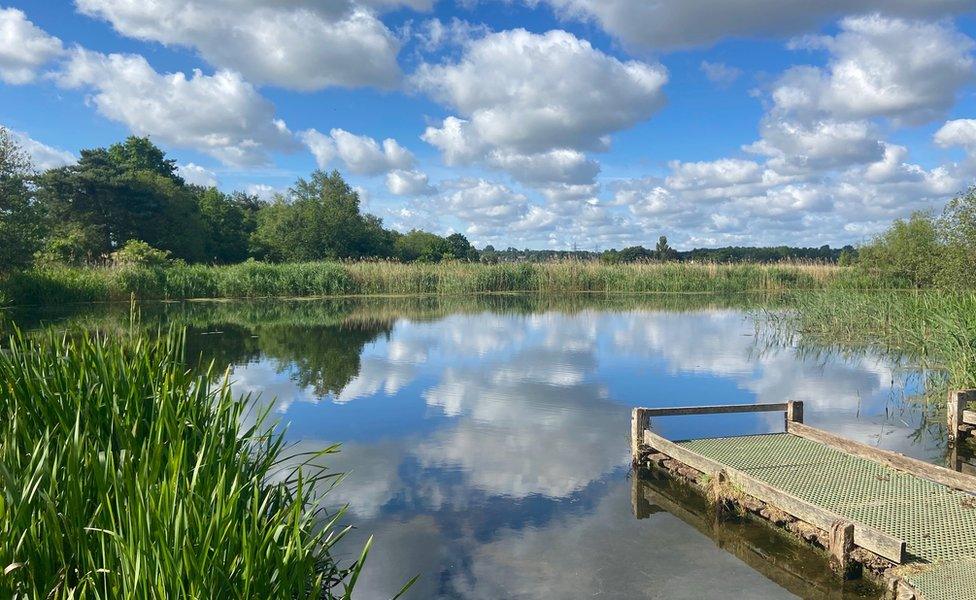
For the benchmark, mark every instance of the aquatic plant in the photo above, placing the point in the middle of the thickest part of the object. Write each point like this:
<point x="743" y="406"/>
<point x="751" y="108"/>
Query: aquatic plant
<point x="124" y="474"/>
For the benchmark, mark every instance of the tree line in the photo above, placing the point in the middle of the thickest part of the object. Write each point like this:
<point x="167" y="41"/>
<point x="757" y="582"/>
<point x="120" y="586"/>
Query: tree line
<point x="128" y="202"/>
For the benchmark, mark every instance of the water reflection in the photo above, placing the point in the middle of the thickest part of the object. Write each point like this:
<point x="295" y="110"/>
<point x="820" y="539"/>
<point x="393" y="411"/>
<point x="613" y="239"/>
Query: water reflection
<point x="486" y="440"/>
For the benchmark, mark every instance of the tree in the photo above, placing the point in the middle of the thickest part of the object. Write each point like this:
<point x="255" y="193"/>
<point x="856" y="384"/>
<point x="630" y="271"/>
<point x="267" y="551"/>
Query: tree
<point x="20" y="218"/>
<point x="957" y="230"/>
<point x="319" y="219"/>
<point x="128" y="191"/>
<point x="229" y="221"/>
<point x="422" y="246"/>
<point x="461" y="248"/>
<point x="663" y="251"/>
<point x="909" y="252"/>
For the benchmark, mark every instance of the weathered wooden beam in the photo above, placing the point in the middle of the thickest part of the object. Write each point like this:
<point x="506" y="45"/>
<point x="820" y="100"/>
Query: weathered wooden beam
<point x="942" y="475"/>
<point x="716" y="409"/>
<point x="957" y="413"/>
<point x="876" y="541"/>
<point x="640" y="420"/>
<point x="794" y="411"/>
<point x="841" y="544"/>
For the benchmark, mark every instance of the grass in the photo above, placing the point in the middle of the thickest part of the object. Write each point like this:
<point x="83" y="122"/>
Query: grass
<point x="936" y="329"/>
<point x="60" y="284"/>
<point x="124" y="474"/>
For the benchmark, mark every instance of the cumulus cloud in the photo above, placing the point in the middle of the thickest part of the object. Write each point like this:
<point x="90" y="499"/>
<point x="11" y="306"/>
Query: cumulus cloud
<point x="24" y="47"/>
<point x="42" y="156"/>
<point x="531" y="104"/>
<point x="220" y="114"/>
<point x="297" y="44"/>
<point x="668" y="25"/>
<point x="194" y="174"/>
<point x="361" y="154"/>
<point x="958" y="132"/>
<point x="535" y="92"/>
<point x="879" y="66"/>
<point x="409" y="183"/>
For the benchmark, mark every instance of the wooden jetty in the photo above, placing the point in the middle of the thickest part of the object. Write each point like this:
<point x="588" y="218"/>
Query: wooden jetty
<point x="907" y="522"/>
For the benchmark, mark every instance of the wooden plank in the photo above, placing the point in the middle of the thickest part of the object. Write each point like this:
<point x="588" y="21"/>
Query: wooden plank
<point x="969" y="416"/>
<point x="866" y="537"/>
<point x="841" y="544"/>
<point x="794" y="411"/>
<point x="639" y="421"/>
<point x="716" y="409"/>
<point x="942" y="475"/>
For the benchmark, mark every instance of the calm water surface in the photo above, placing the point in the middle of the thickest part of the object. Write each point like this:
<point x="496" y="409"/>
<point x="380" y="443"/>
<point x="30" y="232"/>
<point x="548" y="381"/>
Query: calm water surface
<point x="486" y="442"/>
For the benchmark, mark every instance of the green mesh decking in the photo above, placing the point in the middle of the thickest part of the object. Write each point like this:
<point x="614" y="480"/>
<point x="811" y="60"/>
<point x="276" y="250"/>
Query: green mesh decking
<point x="937" y="523"/>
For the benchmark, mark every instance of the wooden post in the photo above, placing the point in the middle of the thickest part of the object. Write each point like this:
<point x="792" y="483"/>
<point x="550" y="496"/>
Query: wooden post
<point x="958" y="400"/>
<point x="841" y="544"/>
<point x="794" y="411"/>
<point x="639" y="421"/>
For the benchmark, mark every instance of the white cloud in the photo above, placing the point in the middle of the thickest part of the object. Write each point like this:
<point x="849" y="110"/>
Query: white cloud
<point x="361" y="154"/>
<point x="703" y="22"/>
<point x="537" y="92"/>
<point x="719" y="173"/>
<point x="220" y="114"/>
<point x="905" y="70"/>
<point x="263" y="191"/>
<point x="555" y="166"/>
<point x="295" y="44"/>
<point x="42" y="156"/>
<point x="24" y="47"/>
<point x="958" y="132"/>
<point x="720" y="73"/>
<point x="409" y="183"/>
<point x="194" y="174"/>
<point x="798" y="147"/>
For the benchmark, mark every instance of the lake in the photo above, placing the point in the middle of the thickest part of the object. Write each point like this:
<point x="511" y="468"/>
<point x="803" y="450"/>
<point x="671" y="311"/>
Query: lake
<point x="485" y="439"/>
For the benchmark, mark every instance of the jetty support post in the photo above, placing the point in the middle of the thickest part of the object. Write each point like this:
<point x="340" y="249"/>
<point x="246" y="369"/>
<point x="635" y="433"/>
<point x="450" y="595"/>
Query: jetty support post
<point x="841" y="545"/>
<point x="794" y="412"/>
<point x="958" y="415"/>
<point x="640" y="420"/>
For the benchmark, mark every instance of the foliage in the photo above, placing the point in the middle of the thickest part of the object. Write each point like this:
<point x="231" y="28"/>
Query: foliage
<point x="925" y="251"/>
<point x="229" y="222"/>
<point x="136" y="253"/>
<point x="422" y="246"/>
<point x="905" y="252"/>
<point x="20" y="218"/>
<point x="126" y="475"/>
<point x="253" y="279"/>
<point x="319" y="219"/>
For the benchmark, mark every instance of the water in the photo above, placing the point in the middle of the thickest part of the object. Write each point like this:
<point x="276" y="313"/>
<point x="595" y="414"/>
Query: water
<point x="486" y="440"/>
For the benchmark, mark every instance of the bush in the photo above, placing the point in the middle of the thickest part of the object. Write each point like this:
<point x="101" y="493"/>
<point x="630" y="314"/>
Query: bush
<point x="136" y="253"/>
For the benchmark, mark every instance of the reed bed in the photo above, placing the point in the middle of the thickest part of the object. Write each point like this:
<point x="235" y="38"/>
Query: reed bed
<point x="125" y="475"/>
<point x="55" y="285"/>
<point x="937" y="329"/>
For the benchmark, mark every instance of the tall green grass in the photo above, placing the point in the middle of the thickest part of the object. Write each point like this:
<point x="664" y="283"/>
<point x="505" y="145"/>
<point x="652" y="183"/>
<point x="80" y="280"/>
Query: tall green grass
<point x="937" y="329"/>
<point x="55" y="285"/>
<point x="125" y="475"/>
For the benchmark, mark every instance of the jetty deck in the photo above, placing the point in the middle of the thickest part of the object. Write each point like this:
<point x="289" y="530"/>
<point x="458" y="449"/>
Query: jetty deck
<point x="910" y="522"/>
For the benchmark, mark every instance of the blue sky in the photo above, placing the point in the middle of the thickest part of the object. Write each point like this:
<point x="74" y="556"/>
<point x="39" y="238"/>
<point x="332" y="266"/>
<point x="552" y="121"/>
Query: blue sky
<point x="533" y="123"/>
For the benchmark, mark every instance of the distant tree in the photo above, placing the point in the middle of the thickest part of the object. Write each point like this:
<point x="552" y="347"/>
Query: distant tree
<point x="229" y="220"/>
<point x="663" y="251"/>
<point x="319" y="219"/>
<point x="461" y="248"/>
<point x="635" y="254"/>
<point x="140" y="154"/>
<point x="139" y="253"/>
<point x="422" y="246"/>
<point x="909" y="252"/>
<point x="20" y="217"/>
<point x="957" y="231"/>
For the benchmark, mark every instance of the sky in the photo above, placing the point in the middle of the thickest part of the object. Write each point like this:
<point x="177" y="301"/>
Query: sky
<point x="530" y="123"/>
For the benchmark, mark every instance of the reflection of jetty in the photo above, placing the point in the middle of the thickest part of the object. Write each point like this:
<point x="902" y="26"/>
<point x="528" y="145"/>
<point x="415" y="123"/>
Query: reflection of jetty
<point x="911" y="523"/>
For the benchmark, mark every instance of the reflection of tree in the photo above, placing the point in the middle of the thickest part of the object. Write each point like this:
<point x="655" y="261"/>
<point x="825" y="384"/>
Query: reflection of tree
<point x="325" y="358"/>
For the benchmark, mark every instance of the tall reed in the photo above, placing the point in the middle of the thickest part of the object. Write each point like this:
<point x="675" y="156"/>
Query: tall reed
<point x="49" y="285"/>
<point x="125" y="475"/>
